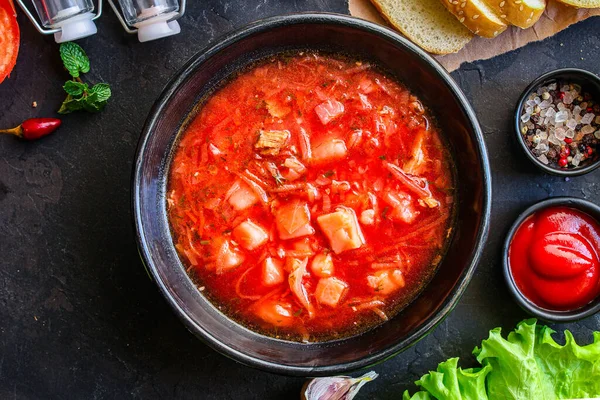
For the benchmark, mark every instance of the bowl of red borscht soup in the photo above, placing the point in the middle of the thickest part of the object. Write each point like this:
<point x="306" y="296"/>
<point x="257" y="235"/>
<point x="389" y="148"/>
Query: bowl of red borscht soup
<point x="552" y="259"/>
<point x="311" y="194"/>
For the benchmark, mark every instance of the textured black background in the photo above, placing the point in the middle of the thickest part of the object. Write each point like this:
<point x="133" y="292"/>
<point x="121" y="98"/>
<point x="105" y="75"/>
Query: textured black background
<point x="80" y="319"/>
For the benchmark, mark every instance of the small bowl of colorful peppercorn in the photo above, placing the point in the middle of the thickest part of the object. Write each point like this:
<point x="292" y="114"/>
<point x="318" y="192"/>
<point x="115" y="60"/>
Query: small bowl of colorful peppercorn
<point x="558" y="122"/>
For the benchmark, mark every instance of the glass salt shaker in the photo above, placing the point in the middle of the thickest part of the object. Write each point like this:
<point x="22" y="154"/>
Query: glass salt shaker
<point x="150" y="19"/>
<point x="67" y="19"/>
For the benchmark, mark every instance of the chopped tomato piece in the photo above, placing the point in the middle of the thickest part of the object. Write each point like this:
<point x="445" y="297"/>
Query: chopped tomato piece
<point x="241" y="196"/>
<point x="228" y="257"/>
<point x="331" y="150"/>
<point x="272" y="272"/>
<point x="385" y="282"/>
<point x="403" y="209"/>
<point x="322" y="265"/>
<point x="330" y="291"/>
<point x="293" y="220"/>
<point x="250" y="235"/>
<point x="342" y="229"/>
<point x="276" y="312"/>
<point x="329" y="110"/>
<point x="9" y="38"/>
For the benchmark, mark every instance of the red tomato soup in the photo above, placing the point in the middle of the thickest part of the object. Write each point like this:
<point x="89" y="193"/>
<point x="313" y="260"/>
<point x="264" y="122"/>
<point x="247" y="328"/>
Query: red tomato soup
<point x="311" y="197"/>
<point x="553" y="258"/>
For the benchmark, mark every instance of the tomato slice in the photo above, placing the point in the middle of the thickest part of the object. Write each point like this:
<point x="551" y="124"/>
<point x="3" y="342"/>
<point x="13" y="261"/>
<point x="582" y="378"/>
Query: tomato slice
<point x="9" y="38"/>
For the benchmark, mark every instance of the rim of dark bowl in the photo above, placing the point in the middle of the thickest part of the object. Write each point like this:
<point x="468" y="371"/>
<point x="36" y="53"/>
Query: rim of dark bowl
<point x="271" y="23"/>
<point x="541" y="81"/>
<point x="543" y="313"/>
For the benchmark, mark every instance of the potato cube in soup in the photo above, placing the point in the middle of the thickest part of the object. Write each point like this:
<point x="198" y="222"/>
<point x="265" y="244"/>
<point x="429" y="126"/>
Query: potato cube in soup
<point x="329" y="110"/>
<point x="328" y="151"/>
<point x="293" y="220"/>
<point x="330" y="291"/>
<point x="272" y="272"/>
<point x="403" y="208"/>
<point x="250" y="235"/>
<point x="342" y="229"/>
<point x="322" y="265"/>
<point x="241" y="196"/>
<point x="228" y="257"/>
<point x="385" y="282"/>
<point x="275" y="312"/>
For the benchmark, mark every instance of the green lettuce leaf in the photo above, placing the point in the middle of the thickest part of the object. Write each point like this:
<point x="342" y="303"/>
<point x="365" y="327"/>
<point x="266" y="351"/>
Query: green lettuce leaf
<point x="528" y="364"/>
<point x="450" y="382"/>
<point x="574" y="370"/>
<point x="416" y="396"/>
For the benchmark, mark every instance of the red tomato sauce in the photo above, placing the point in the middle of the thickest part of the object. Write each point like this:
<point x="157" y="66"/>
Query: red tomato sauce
<point x="311" y="197"/>
<point x="553" y="258"/>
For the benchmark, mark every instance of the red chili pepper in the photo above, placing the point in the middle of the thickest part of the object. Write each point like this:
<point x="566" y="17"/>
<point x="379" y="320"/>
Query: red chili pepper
<point x="34" y="128"/>
<point x="568" y="140"/>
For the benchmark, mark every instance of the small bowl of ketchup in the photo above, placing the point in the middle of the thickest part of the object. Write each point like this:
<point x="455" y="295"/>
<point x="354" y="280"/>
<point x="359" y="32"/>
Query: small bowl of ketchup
<point x="551" y="259"/>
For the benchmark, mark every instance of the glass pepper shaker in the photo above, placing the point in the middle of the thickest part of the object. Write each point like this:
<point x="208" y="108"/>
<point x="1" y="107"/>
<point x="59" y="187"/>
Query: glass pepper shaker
<point x="67" y="19"/>
<point x="150" y="19"/>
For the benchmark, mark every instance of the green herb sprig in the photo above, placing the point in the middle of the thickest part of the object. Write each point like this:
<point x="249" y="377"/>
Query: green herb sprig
<point x="80" y="96"/>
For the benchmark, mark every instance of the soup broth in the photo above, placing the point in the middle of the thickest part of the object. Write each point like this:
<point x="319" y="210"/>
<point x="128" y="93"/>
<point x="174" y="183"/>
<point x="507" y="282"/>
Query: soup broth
<point x="311" y="197"/>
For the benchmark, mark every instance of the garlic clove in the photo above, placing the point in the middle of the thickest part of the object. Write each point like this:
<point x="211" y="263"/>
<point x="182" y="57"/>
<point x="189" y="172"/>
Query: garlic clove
<point x="336" y="387"/>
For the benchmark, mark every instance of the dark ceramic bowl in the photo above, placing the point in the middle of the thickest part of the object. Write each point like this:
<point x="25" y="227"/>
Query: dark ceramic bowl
<point x="537" y="311"/>
<point x="590" y="83"/>
<point x="327" y="32"/>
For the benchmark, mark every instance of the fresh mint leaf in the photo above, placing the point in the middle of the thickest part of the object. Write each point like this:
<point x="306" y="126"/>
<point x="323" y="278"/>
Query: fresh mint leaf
<point x="79" y="94"/>
<point x="74" y="88"/>
<point x="92" y="104"/>
<point x="102" y="91"/>
<point x="72" y="104"/>
<point x="74" y="59"/>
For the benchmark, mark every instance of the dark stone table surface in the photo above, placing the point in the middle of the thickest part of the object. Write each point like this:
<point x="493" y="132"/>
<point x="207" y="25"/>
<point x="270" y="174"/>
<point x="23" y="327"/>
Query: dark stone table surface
<point x="79" y="318"/>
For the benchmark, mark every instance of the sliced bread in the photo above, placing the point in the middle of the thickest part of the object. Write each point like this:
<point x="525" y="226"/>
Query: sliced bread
<point x="521" y="13"/>
<point x="582" y="3"/>
<point x="476" y="15"/>
<point x="427" y="23"/>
